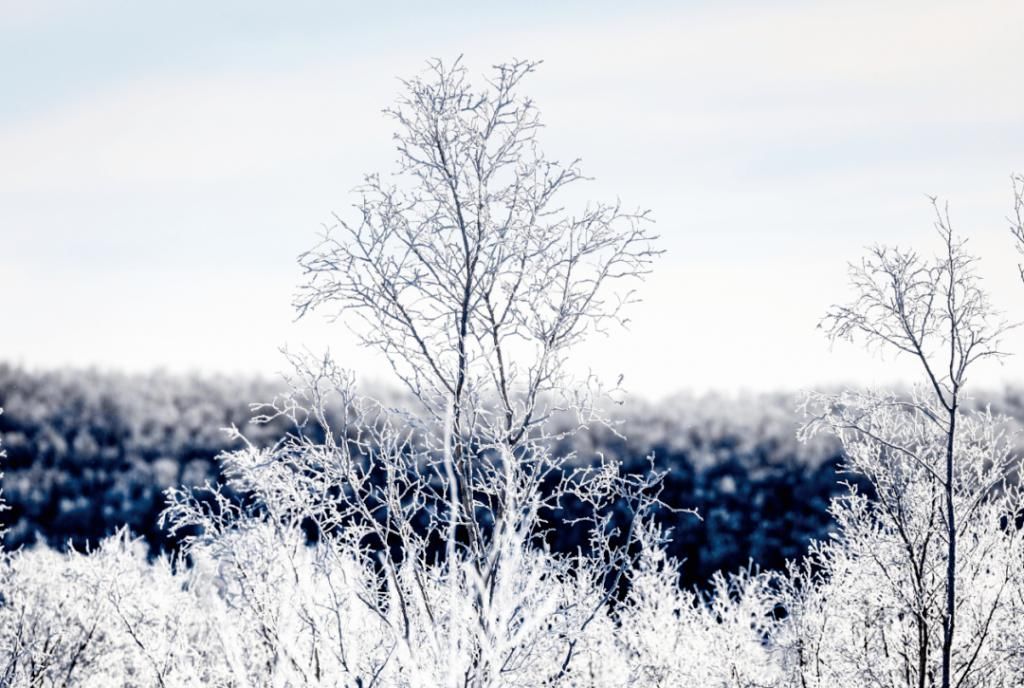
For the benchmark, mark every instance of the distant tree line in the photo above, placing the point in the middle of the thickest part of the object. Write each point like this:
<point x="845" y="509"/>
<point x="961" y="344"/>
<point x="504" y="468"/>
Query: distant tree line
<point x="90" y="452"/>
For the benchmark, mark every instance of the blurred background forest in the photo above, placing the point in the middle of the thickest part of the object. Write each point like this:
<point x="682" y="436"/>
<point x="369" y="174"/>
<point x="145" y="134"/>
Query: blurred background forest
<point x="89" y="452"/>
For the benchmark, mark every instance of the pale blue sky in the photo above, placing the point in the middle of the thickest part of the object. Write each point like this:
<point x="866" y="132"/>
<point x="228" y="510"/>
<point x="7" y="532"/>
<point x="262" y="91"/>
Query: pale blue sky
<point x="162" y="164"/>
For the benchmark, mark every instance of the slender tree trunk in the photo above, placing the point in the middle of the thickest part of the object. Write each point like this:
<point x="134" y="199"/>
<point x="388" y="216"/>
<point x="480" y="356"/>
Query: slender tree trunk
<point x="949" y="622"/>
<point x="922" y="648"/>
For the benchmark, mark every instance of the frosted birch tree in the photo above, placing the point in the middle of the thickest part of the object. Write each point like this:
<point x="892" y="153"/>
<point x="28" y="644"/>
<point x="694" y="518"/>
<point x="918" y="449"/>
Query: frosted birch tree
<point x="918" y="587"/>
<point x="466" y="273"/>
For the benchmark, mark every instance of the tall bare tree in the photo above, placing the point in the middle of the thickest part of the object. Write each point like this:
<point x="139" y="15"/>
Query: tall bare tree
<point x="935" y="311"/>
<point x="466" y="272"/>
<point x="464" y="269"/>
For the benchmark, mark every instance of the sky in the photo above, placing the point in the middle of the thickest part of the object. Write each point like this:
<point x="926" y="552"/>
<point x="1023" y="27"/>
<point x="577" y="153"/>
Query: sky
<point x="162" y="165"/>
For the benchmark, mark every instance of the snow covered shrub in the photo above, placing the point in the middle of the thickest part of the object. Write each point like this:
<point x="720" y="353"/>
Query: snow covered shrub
<point x="668" y="636"/>
<point x="109" y="617"/>
<point x="868" y="606"/>
<point x="390" y="591"/>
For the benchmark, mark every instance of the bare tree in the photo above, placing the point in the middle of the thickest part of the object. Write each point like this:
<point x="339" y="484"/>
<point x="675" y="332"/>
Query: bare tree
<point x="466" y="272"/>
<point x="935" y="311"/>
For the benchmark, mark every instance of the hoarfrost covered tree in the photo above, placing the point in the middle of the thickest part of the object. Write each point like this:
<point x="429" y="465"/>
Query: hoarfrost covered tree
<point x="922" y="585"/>
<point x="429" y="566"/>
<point x="464" y="270"/>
